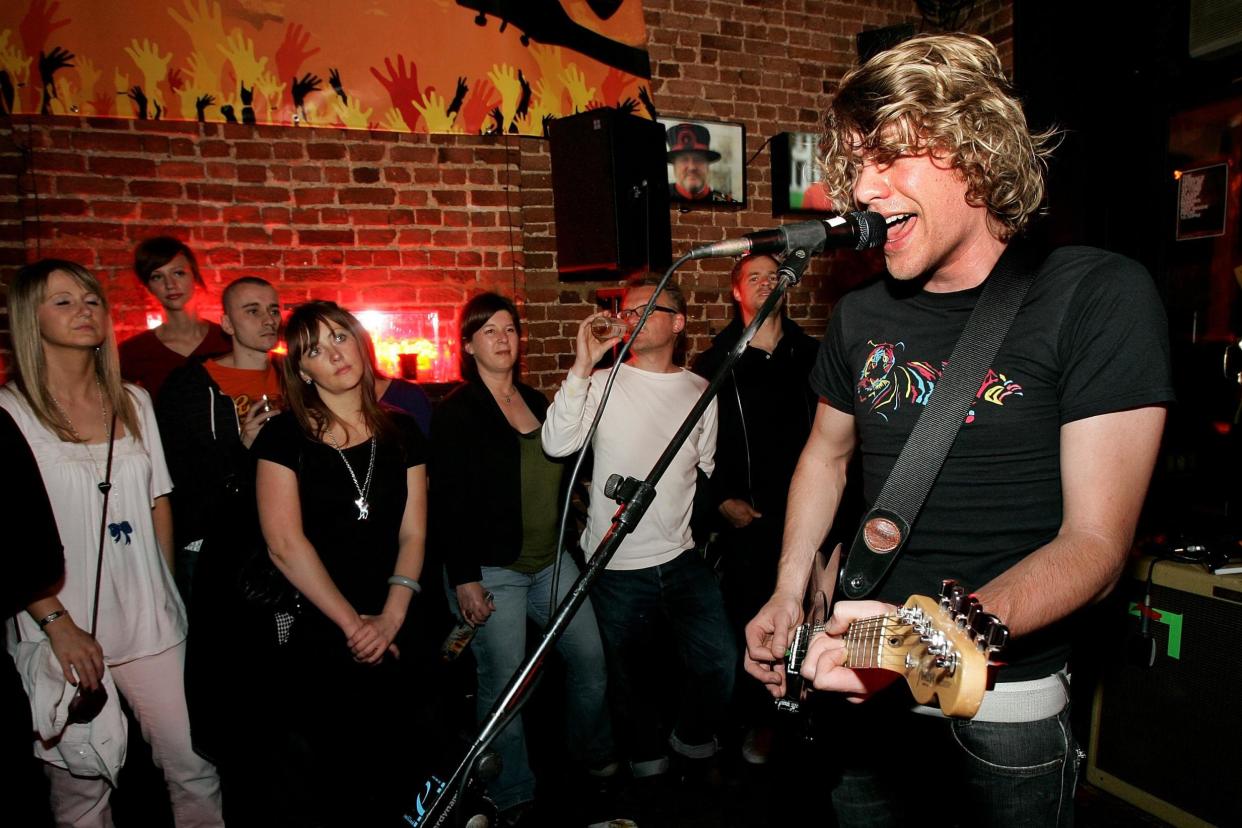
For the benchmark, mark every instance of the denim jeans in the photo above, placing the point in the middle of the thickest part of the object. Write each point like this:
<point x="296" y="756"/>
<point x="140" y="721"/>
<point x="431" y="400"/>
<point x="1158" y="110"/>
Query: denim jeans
<point x="500" y="647"/>
<point x="645" y="613"/>
<point x="958" y="772"/>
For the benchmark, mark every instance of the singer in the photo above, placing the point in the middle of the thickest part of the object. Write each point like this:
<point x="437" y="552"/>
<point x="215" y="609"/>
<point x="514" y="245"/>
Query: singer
<point x="1036" y="506"/>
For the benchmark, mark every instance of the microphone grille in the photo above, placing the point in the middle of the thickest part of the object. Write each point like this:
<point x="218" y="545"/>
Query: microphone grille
<point x="872" y="230"/>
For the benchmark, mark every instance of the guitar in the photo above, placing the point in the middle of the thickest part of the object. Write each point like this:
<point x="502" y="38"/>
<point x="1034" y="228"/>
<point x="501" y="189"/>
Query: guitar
<point x="941" y="647"/>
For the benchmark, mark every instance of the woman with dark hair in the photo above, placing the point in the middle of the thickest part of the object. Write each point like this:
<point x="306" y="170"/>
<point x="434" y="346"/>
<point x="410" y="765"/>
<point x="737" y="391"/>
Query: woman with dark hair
<point x="167" y="268"/>
<point x="100" y="457"/>
<point x="495" y="507"/>
<point x="342" y="492"/>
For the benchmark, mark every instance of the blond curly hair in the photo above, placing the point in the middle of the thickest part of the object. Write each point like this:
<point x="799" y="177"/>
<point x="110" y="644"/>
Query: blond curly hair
<point x="944" y="94"/>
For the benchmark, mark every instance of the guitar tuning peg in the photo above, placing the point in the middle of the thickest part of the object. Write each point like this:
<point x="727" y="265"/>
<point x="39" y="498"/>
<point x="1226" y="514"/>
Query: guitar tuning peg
<point x="990" y="634"/>
<point x="956" y="598"/>
<point x="946" y="587"/>
<point x="971" y="611"/>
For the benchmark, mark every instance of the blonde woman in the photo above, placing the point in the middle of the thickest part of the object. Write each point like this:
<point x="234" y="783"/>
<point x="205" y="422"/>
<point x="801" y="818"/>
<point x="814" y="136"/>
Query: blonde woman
<point x="67" y="398"/>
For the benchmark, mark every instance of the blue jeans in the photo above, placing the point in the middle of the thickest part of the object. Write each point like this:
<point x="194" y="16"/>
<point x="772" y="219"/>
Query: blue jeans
<point x="641" y="613"/>
<point x="992" y="773"/>
<point x="499" y="648"/>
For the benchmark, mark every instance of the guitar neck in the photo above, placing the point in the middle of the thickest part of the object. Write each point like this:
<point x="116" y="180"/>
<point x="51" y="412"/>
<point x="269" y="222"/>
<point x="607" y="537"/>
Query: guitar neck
<point x="877" y="642"/>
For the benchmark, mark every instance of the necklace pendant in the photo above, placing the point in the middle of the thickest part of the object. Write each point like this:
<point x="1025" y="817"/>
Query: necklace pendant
<point x="105" y="486"/>
<point x="364" y="508"/>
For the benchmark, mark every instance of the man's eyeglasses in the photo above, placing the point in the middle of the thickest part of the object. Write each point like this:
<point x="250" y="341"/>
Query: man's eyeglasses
<point x="631" y="315"/>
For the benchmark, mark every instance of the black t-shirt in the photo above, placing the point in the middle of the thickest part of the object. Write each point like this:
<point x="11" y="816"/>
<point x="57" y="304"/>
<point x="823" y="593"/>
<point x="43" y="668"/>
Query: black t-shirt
<point x="1091" y="339"/>
<point x="358" y="554"/>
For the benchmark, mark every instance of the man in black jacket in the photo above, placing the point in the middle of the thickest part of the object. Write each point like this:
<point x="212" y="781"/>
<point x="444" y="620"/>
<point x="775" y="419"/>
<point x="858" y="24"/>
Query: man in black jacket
<point x="210" y="412"/>
<point x="766" y="409"/>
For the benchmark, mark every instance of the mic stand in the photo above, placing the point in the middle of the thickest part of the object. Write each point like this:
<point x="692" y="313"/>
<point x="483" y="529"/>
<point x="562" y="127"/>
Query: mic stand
<point x="437" y="800"/>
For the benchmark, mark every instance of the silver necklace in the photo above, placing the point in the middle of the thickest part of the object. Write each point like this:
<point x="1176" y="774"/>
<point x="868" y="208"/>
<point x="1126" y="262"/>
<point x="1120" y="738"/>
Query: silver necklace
<point x="104" y="485"/>
<point x="364" y="505"/>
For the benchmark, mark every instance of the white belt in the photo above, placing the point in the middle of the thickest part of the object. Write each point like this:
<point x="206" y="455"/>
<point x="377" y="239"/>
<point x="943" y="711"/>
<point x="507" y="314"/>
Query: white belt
<point x="1018" y="701"/>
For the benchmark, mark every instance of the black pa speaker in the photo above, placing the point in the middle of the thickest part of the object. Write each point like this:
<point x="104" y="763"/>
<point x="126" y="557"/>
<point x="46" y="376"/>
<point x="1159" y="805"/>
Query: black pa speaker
<point x="1165" y="729"/>
<point x="610" y="191"/>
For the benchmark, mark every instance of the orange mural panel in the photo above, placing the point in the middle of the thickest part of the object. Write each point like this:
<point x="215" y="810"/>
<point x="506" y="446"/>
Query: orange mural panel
<point x="444" y="66"/>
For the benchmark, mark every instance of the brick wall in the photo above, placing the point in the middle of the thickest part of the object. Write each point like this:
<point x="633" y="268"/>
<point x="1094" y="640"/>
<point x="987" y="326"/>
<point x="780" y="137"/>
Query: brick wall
<point x="388" y="221"/>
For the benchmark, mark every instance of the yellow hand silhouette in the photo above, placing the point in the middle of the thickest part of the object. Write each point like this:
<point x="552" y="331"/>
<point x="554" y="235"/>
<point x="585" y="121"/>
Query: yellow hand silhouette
<point x="204" y="23"/>
<point x="88" y="75"/>
<point x="352" y="115"/>
<point x="120" y="80"/>
<point x="239" y="50"/>
<point x="14" y="61"/>
<point x="435" y="113"/>
<point x="146" y="56"/>
<point x="504" y="78"/>
<point x="546" y="100"/>
<point x="393" y="122"/>
<point x="202" y="74"/>
<point x="575" y="82"/>
<point x="549" y="60"/>
<point x="273" y="92"/>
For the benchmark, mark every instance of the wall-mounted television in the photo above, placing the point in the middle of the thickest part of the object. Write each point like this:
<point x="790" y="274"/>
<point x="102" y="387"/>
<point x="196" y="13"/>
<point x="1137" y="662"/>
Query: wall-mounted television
<point x="796" y="184"/>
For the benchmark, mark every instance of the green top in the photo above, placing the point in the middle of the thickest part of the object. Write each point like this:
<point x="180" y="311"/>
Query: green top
<point x="541" y="486"/>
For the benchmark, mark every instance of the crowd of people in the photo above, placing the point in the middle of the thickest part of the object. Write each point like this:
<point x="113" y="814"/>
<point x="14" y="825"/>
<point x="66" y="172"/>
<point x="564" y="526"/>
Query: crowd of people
<point x="245" y="547"/>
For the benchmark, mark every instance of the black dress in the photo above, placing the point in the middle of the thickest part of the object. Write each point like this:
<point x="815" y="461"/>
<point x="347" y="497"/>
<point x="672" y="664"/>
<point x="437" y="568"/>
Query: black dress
<point x="349" y="755"/>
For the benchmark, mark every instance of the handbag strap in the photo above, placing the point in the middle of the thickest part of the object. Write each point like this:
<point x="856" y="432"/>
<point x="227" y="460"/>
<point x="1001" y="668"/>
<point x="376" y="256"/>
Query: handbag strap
<point x="886" y="527"/>
<point x="106" y="488"/>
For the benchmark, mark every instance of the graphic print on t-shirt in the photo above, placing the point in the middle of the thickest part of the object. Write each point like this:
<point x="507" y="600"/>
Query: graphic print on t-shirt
<point x="886" y="384"/>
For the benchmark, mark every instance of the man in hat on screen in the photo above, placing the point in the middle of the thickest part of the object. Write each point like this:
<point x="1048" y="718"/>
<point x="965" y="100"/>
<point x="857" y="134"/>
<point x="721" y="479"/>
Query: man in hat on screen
<point x="691" y="154"/>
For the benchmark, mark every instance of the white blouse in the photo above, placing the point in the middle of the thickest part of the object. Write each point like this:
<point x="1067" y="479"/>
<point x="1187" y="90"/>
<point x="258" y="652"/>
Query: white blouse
<point x="140" y="611"/>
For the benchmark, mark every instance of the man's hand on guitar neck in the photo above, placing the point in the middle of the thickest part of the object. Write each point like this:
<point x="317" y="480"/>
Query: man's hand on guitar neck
<point x="767" y="638"/>
<point x="826" y="654"/>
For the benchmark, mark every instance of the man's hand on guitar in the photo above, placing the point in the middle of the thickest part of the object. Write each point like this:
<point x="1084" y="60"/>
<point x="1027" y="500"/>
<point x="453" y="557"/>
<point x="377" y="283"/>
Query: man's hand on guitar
<point x="826" y="654"/>
<point x="767" y="638"/>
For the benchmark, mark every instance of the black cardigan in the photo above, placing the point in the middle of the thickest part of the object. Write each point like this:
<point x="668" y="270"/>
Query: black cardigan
<point x="475" y="494"/>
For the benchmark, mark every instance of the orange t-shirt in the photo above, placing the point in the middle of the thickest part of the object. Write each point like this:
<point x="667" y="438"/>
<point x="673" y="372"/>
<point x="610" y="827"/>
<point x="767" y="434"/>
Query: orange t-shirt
<point x="245" y="385"/>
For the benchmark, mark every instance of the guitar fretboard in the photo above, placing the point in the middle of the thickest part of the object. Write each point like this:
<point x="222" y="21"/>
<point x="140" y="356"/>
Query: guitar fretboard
<point x="874" y="642"/>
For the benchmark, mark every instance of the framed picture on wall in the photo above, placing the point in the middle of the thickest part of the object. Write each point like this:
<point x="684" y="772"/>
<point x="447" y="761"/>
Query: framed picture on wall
<point x="797" y="185"/>
<point x="706" y="162"/>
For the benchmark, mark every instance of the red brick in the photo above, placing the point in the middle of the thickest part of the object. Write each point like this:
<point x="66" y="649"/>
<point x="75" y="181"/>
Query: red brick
<point x="157" y="211"/>
<point x="314" y="195"/>
<point x="367" y="195"/>
<point x="240" y="234"/>
<point x="110" y="141"/>
<point x="269" y="195"/>
<point x="241" y="215"/>
<point x="180" y="169"/>
<point x="325" y="152"/>
<point x="252" y="151"/>
<point x="116" y="166"/>
<point x="114" y="209"/>
<point x="326" y="237"/>
<point x="260" y="257"/>
<point x="251" y="173"/>
<point x="91" y="185"/>
<point x="288" y="150"/>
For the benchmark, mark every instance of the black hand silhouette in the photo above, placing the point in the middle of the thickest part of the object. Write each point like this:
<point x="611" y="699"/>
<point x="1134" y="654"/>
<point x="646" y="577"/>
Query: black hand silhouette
<point x="247" y="98"/>
<point x="645" y="97"/>
<point x="136" y="95"/>
<point x="227" y="112"/>
<point x="49" y="62"/>
<point x="629" y="106"/>
<point x="301" y="88"/>
<point x="334" y="78"/>
<point x="159" y="110"/>
<point x="8" y="94"/>
<point x="201" y="105"/>
<point x="462" y="89"/>
<point x="547" y="123"/>
<point x="524" y="101"/>
<point x="499" y="126"/>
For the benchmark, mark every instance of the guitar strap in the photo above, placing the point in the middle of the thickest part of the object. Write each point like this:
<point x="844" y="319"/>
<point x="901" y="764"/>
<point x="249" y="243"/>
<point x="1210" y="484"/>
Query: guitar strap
<point x="886" y="527"/>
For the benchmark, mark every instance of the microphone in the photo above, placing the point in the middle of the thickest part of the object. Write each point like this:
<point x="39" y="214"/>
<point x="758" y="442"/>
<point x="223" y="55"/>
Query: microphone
<point x="857" y="231"/>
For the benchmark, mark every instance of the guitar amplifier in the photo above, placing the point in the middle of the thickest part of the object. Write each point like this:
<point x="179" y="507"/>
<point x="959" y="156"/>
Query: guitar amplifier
<point x="1166" y="733"/>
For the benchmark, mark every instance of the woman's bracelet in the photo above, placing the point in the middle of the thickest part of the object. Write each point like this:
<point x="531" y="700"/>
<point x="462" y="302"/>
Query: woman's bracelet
<point x="409" y="583"/>
<point x="51" y="616"/>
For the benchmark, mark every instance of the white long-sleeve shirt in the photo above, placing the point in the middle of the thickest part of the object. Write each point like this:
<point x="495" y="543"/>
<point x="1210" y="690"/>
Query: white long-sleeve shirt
<point x="643" y="412"/>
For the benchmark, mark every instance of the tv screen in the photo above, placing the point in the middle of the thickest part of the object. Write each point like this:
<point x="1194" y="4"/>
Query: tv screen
<point x="796" y="176"/>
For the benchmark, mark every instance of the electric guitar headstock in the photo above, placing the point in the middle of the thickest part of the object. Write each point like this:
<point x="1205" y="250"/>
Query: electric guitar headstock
<point x="942" y="647"/>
